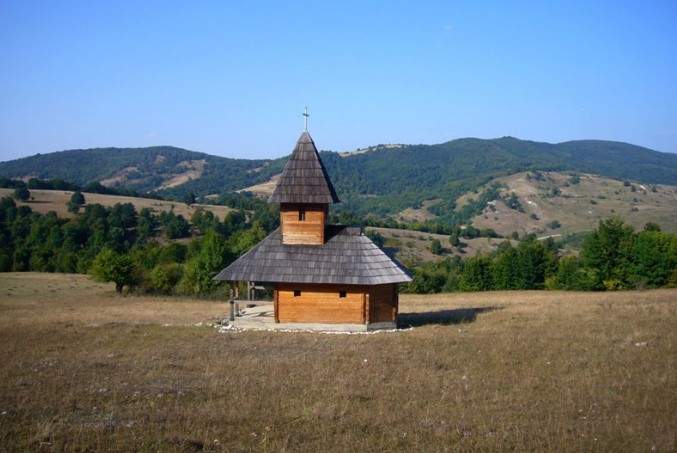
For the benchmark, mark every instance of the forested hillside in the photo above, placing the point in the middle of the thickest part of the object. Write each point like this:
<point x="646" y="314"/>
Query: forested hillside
<point x="158" y="168"/>
<point x="382" y="180"/>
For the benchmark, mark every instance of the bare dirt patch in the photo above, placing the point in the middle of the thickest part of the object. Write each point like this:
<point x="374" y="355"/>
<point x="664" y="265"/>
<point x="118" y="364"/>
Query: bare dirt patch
<point x="419" y="214"/>
<point x="191" y="169"/>
<point x="120" y="177"/>
<point x="264" y="189"/>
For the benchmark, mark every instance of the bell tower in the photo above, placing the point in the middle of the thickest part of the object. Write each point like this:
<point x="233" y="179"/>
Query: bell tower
<point x="304" y="192"/>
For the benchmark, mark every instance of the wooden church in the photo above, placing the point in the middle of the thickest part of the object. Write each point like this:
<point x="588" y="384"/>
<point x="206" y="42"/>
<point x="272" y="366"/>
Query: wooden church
<point x="321" y="274"/>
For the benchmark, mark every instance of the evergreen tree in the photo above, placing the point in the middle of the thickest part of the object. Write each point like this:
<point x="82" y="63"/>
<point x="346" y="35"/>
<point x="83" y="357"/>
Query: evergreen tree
<point x="530" y="265"/>
<point x="608" y="252"/>
<point x="654" y="257"/>
<point x="503" y="267"/>
<point x="146" y="225"/>
<point x="477" y="274"/>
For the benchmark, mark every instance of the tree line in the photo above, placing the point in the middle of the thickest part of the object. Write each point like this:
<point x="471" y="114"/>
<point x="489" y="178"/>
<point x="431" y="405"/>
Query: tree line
<point x="614" y="256"/>
<point x="139" y="251"/>
<point x="135" y="250"/>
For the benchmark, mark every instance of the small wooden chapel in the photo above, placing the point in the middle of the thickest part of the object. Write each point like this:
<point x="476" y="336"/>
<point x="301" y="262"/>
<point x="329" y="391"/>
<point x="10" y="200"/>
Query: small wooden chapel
<point x="321" y="274"/>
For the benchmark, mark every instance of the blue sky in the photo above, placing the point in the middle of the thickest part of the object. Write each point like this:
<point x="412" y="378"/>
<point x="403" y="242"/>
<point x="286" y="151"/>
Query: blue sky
<point x="232" y="78"/>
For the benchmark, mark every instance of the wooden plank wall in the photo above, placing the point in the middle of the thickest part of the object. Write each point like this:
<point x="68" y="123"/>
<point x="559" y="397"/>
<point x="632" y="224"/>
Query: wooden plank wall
<point x="383" y="303"/>
<point x="308" y="231"/>
<point x="321" y="304"/>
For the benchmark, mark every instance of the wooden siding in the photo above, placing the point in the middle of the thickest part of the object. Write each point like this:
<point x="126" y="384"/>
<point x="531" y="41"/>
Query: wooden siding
<point x="383" y="302"/>
<point x="309" y="231"/>
<point x="320" y="304"/>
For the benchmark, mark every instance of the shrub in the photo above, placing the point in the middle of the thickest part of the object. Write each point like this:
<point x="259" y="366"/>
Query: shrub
<point x="21" y="193"/>
<point x="77" y="198"/>
<point x="189" y="198"/>
<point x="572" y="276"/>
<point x="514" y="203"/>
<point x="436" y="247"/>
<point x="199" y="271"/>
<point x="164" y="277"/>
<point x="376" y="237"/>
<point x="453" y="239"/>
<point x="672" y="280"/>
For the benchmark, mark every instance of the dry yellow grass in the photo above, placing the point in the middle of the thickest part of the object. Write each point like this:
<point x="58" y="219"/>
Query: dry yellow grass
<point x="84" y="369"/>
<point x="55" y="200"/>
<point x="415" y="246"/>
<point x="580" y="206"/>
<point x="264" y="189"/>
<point x="419" y="214"/>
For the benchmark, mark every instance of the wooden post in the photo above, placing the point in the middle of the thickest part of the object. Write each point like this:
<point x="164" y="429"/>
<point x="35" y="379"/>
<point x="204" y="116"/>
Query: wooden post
<point x="237" y="297"/>
<point x="396" y="297"/>
<point x="276" y="305"/>
<point x="232" y="303"/>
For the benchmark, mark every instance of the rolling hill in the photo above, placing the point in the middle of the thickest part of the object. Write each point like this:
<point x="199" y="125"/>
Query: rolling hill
<point x="554" y="204"/>
<point x="382" y="180"/>
<point x="152" y="169"/>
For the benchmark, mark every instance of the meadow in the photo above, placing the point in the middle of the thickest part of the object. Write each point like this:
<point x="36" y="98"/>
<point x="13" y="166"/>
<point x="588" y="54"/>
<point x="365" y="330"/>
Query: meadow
<point x="44" y="201"/>
<point x="85" y="369"/>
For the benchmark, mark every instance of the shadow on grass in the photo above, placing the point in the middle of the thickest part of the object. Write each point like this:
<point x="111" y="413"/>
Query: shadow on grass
<point x="455" y="316"/>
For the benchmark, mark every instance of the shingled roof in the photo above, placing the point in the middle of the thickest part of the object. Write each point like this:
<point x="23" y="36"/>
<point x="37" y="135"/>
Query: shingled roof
<point x="348" y="257"/>
<point x="304" y="178"/>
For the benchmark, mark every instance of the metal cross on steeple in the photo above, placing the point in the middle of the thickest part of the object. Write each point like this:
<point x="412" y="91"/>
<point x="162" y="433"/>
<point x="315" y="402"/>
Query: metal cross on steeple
<point x="306" y="115"/>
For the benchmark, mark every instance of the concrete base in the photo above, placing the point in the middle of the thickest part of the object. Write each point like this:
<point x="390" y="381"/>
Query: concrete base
<point x="321" y="327"/>
<point x="262" y="318"/>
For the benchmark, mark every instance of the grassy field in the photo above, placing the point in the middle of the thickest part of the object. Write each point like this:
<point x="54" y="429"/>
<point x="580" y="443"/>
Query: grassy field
<point x="55" y="200"/>
<point x="83" y="369"/>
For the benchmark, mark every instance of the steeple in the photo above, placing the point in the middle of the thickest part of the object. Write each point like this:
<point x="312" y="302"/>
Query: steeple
<point x="304" y="192"/>
<point x="304" y="178"/>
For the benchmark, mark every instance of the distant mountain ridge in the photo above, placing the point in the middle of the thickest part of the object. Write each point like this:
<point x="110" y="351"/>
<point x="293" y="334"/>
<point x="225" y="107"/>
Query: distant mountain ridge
<point x="381" y="180"/>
